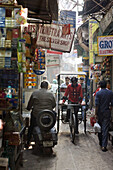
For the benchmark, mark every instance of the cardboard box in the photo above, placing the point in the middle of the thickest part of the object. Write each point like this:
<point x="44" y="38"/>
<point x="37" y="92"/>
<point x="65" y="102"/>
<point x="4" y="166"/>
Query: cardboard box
<point x="3" y="163"/>
<point x="13" y="138"/>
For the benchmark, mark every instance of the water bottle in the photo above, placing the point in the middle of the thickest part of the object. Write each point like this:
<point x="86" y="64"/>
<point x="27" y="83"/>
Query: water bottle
<point x="9" y="92"/>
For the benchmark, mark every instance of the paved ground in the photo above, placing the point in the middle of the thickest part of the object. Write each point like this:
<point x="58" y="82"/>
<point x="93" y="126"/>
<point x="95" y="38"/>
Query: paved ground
<point x="84" y="155"/>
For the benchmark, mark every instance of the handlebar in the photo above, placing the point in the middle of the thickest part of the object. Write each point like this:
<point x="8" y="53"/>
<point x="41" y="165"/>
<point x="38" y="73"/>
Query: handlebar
<point x="70" y="104"/>
<point x="74" y="104"/>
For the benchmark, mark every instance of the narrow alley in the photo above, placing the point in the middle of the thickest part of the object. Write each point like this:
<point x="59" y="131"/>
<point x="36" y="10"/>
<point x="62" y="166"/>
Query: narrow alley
<point x="84" y="155"/>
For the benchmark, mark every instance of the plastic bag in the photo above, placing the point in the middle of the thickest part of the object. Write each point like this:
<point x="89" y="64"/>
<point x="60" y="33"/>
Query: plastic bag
<point x="92" y="121"/>
<point x="97" y="128"/>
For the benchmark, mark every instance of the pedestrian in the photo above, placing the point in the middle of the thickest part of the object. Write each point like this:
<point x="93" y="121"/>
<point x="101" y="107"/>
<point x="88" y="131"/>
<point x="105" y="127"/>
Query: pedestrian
<point x="98" y="88"/>
<point x="63" y="88"/>
<point x="83" y="91"/>
<point x="39" y="100"/>
<point x="64" y="85"/>
<point x="67" y="81"/>
<point x="103" y="103"/>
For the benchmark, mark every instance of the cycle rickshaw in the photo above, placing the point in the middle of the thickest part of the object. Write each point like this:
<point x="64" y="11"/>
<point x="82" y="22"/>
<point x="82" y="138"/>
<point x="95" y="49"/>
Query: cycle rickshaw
<point x="75" y="118"/>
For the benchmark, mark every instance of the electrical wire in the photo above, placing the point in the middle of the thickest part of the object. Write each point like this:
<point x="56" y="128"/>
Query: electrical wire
<point x="93" y="8"/>
<point x="99" y="5"/>
<point x="67" y="2"/>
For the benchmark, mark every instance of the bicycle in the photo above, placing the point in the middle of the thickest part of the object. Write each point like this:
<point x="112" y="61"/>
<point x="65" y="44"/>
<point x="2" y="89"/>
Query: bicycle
<point x="74" y="120"/>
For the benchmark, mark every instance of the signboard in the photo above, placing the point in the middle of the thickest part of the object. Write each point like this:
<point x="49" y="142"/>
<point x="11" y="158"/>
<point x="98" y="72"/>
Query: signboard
<point x="93" y="25"/>
<point x="38" y="72"/>
<point x="105" y="45"/>
<point x="52" y="60"/>
<point x="30" y="28"/>
<point x="50" y="36"/>
<point x="67" y="17"/>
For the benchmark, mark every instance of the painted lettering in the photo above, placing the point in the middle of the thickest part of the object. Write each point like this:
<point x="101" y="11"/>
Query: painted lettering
<point x="106" y="44"/>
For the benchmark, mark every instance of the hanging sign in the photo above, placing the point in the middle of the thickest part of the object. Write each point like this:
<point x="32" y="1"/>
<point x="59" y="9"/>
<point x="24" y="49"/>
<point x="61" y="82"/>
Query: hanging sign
<point x="105" y="45"/>
<point x="51" y="36"/>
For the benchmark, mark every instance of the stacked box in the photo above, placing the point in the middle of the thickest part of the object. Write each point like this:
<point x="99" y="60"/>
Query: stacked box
<point x="3" y="163"/>
<point x="2" y="58"/>
<point x="7" y="59"/>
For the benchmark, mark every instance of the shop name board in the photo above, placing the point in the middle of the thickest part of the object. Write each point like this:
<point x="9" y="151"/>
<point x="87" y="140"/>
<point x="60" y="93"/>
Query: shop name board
<point x="51" y="36"/>
<point x="105" y="45"/>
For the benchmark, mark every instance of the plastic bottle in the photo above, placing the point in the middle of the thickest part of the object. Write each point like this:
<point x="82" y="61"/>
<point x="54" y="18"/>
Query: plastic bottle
<point x="9" y="92"/>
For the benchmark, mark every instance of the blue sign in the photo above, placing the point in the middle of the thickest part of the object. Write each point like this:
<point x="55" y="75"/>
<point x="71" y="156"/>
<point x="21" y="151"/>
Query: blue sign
<point x="67" y="17"/>
<point x="2" y="17"/>
<point x="22" y="40"/>
<point x="38" y="72"/>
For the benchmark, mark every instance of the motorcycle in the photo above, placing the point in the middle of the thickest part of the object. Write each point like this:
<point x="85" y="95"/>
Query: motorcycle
<point x="45" y="134"/>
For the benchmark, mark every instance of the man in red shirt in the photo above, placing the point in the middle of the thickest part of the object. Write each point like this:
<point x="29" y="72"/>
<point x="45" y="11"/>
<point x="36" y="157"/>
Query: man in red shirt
<point x="74" y="94"/>
<point x="74" y="91"/>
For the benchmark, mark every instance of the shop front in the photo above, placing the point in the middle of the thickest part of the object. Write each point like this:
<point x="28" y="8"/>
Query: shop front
<point x="21" y="64"/>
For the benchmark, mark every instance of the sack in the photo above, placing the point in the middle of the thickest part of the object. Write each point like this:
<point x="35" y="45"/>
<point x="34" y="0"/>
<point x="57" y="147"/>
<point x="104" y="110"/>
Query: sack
<point x="97" y="128"/>
<point x="92" y="121"/>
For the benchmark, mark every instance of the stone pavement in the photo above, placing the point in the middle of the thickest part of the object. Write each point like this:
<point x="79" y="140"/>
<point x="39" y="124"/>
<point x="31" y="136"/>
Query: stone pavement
<point x="84" y="155"/>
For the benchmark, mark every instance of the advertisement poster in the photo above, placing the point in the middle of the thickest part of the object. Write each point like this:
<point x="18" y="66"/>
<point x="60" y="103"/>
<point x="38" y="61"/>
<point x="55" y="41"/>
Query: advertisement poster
<point x="39" y="63"/>
<point x="2" y="17"/>
<point x="93" y="25"/>
<point x="51" y="36"/>
<point x="20" y="15"/>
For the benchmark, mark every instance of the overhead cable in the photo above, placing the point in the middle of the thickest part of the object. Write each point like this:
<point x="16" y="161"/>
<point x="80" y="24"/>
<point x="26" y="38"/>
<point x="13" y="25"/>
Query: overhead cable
<point x="93" y="8"/>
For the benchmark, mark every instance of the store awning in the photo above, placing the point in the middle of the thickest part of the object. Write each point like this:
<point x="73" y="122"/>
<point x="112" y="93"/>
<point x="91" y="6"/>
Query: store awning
<point x="46" y="10"/>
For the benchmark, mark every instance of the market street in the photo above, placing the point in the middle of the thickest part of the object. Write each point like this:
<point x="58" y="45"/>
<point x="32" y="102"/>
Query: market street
<point x="85" y="154"/>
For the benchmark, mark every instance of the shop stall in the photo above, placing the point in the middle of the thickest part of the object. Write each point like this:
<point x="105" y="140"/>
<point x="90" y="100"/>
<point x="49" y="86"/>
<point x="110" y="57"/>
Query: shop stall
<point x="12" y="66"/>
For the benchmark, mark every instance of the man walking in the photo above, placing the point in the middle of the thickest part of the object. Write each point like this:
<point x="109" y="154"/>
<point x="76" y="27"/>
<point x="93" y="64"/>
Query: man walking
<point x="103" y="103"/>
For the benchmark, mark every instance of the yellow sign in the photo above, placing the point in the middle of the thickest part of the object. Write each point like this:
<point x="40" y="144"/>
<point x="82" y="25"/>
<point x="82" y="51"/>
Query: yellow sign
<point x="93" y="25"/>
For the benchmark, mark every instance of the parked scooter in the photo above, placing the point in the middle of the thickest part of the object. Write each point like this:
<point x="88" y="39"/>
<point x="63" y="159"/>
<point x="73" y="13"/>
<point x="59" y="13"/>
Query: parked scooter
<point x="45" y="134"/>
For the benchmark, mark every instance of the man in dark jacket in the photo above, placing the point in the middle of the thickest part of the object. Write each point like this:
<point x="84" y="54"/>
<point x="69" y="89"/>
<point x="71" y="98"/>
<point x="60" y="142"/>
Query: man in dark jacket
<point x="103" y="103"/>
<point x="39" y="100"/>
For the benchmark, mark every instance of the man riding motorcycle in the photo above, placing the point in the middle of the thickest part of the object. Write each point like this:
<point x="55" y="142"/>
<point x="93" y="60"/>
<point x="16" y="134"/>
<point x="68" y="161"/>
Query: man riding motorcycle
<point x="39" y="100"/>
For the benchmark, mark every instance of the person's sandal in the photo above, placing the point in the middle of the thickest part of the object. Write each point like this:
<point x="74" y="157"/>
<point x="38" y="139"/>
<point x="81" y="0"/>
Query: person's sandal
<point x="104" y="149"/>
